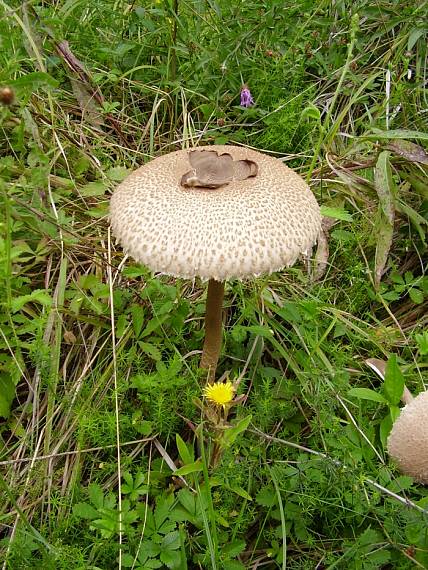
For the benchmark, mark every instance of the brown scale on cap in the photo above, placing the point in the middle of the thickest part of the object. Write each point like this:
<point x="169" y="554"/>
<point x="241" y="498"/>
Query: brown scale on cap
<point x="260" y="217"/>
<point x="408" y="440"/>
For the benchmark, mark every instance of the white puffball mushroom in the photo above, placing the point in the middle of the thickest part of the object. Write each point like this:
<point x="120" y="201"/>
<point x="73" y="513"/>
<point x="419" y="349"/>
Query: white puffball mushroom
<point x="408" y="441"/>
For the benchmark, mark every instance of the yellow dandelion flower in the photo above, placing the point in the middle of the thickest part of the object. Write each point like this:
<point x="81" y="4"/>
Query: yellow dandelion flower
<point x="219" y="393"/>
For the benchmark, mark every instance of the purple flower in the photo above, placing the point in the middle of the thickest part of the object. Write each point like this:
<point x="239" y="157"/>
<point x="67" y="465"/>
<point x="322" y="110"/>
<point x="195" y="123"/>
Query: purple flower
<point x="246" y="97"/>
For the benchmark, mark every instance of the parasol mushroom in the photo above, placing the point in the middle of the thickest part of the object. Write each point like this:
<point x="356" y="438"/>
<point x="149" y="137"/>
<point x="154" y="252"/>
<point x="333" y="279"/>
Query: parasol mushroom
<point x="408" y="441"/>
<point x="217" y="212"/>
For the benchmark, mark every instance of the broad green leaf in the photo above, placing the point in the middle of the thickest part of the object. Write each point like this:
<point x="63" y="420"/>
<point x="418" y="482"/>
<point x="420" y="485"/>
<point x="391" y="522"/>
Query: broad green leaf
<point x="290" y="312"/>
<point x="414" y="35"/>
<point x="185" y="455"/>
<point x="34" y="80"/>
<point x="127" y="560"/>
<point x="239" y="491"/>
<point x="342" y="235"/>
<point x="194" y="467"/>
<point x="367" y="394"/>
<point x="152" y="563"/>
<point x="394" y="381"/>
<point x="230" y="434"/>
<point x="397" y="134"/>
<point x="311" y="112"/>
<point x="417" y="220"/>
<point x="394" y="412"/>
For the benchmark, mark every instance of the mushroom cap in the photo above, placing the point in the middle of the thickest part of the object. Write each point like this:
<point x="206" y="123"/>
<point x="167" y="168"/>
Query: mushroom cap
<point x="241" y="229"/>
<point x="408" y="440"/>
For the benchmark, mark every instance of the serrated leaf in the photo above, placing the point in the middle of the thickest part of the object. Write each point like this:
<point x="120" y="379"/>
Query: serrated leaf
<point x="267" y="497"/>
<point x="393" y="384"/>
<point x="36" y="296"/>
<point x="416" y="295"/>
<point x="154" y="324"/>
<point x="260" y="331"/>
<point x="342" y="235"/>
<point x="336" y="213"/>
<point x="149" y="549"/>
<point x="169" y="558"/>
<point x="151" y="350"/>
<point x="171" y="541"/>
<point x="234" y="548"/>
<point x="117" y="173"/>
<point x="85" y="511"/>
<point x="188" y="501"/>
<point x="137" y="312"/>
<point x="96" y="495"/>
<point x="233" y="565"/>
<point x="97" y="188"/>
<point x="367" y="394"/>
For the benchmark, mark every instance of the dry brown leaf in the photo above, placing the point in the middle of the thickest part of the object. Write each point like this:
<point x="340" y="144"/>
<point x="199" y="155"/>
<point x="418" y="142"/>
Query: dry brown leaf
<point x="378" y="365"/>
<point x="384" y="227"/>
<point x="409" y="150"/>
<point x="87" y="104"/>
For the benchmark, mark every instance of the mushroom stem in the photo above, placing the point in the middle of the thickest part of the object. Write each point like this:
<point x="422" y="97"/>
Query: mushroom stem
<point x="213" y="327"/>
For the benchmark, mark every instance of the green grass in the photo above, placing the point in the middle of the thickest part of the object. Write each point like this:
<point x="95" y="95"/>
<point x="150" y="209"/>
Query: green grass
<point x="100" y="392"/>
